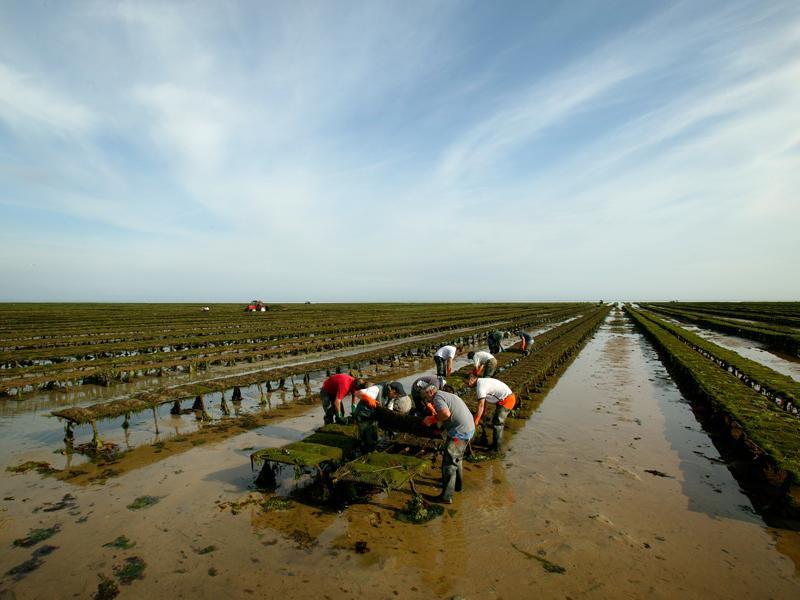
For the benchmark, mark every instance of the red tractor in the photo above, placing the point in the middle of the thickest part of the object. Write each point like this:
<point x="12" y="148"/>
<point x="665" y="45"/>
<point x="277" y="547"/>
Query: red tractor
<point x="256" y="306"/>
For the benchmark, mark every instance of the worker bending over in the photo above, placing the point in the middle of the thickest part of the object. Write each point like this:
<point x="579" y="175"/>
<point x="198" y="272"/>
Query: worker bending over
<point x="444" y="360"/>
<point x="453" y="416"/>
<point x="526" y="342"/>
<point x="423" y="408"/>
<point x="494" y="392"/>
<point x="333" y="391"/>
<point x="485" y="363"/>
<point x="366" y="401"/>
<point x="494" y="339"/>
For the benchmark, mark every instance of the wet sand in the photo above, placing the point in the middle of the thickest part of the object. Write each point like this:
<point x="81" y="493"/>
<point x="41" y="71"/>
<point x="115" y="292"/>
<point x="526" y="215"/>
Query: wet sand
<point x="573" y="489"/>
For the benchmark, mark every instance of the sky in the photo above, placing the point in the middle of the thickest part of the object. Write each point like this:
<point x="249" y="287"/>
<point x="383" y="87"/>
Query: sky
<point x="399" y="151"/>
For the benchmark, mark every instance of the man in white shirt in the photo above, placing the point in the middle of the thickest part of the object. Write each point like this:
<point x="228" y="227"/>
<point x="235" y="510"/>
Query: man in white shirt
<point x="485" y="363"/>
<point x="493" y="391"/>
<point x="444" y="360"/>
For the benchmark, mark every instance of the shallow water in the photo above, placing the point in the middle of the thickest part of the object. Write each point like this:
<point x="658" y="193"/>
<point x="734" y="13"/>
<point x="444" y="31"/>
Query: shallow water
<point x="28" y="433"/>
<point x="755" y="351"/>
<point x="573" y="489"/>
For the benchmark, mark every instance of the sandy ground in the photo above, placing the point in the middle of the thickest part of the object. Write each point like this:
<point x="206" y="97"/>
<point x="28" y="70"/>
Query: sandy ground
<point x="573" y="489"/>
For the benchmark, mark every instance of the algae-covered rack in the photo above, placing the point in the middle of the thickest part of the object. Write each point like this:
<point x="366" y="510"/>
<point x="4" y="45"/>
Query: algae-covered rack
<point x="152" y="399"/>
<point x="335" y="446"/>
<point x="389" y="471"/>
<point x="330" y="443"/>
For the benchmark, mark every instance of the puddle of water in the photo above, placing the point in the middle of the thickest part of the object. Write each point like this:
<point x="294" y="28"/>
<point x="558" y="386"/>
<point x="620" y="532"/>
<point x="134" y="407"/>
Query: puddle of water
<point x="28" y="433"/>
<point x="755" y="351"/>
<point x="573" y="489"/>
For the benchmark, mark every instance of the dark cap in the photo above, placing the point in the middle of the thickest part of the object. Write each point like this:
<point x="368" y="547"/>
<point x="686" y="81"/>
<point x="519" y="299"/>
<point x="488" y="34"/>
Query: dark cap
<point x="397" y="387"/>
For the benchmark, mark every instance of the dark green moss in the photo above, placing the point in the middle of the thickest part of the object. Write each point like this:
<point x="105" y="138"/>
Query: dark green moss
<point x="143" y="502"/>
<point x="418" y="511"/>
<point x="131" y="569"/>
<point x="36" y="535"/>
<point x="24" y="568"/>
<point x="121" y="542"/>
<point x="106" y="589"/>
<point x="40" y="467"/>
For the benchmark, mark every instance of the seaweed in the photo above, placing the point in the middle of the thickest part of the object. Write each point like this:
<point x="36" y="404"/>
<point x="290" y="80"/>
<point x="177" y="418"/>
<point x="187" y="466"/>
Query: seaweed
<point x="389" y="471"/>
<point x="548" y="566"/>
<point x="41" y="467"/>
<point x="144" y="502"/>
<point x="419" y="511"/>
<point x="122" y="542"/>
<point x="276" y="504"/>
<point x="37" y="535"/>
<point x="237" y="506"/>
<point x="131" y="569"/>
<point x="44" y="550"/>
<point x="107" y="589"/>
<point x="478" y="457"/>
<point x="24" y="568"/>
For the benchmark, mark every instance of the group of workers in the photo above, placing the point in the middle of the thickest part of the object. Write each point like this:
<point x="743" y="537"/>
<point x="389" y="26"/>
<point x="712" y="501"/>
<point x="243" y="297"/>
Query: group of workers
<point x="433" y="401"/>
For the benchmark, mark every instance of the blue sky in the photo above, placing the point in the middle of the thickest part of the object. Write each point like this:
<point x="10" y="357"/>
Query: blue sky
<point x="410" y="151"/>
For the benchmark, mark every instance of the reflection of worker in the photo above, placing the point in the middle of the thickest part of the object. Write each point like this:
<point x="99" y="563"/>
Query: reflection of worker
<point x="485" y="363"/>
<point x="444" y="360"/>
<point x="494" y="339"/>
<point x="423" y="408"/>
<point x="494" y="392"/>
<point x="367" y="400"/>
<point x="454" y="416"/>
<point x="333" y="391"/>
<point x="526" y="343"/>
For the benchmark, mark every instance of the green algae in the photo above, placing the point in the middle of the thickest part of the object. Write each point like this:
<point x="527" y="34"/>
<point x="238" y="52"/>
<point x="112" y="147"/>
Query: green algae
<point x="389" y="471"/>
<point x="37" y="535"/>
<point x="548" y="566"/>
<point x="40" y="467"/>
<point x="107" y="589"/>
<point x="418" y="511"/>
<point x="24" y="568"/>
<point x="277" y="504"/>
<point x="122" y="542"/>
<point x="131" y="569"/>
<point x="144" y="502"/>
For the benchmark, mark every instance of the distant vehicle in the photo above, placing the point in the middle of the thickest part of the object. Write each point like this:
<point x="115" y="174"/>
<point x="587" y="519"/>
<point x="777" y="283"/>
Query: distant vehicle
<point x="256" y="306"/>
<point x="206" y="309"/>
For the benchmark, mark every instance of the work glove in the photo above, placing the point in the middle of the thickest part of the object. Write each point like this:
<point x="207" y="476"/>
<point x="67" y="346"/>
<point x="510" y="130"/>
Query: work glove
<point x="429" y="421"/>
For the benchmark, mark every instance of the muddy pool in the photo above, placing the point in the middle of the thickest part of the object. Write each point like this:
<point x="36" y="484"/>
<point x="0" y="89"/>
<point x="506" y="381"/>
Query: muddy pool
<point x="611" y="489"/>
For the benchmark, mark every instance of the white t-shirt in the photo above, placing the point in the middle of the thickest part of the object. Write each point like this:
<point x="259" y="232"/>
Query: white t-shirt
<point x="481" y="358"/>
<point x="372" y="391"/>
<point x="493" y="390"/>
<point x="446" y="352"/>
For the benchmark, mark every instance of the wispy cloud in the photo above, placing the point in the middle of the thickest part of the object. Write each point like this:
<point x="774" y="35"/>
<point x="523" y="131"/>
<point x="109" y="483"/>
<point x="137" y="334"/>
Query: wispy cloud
<point x="28" y="105"/>
<point x="279" y="142"/>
